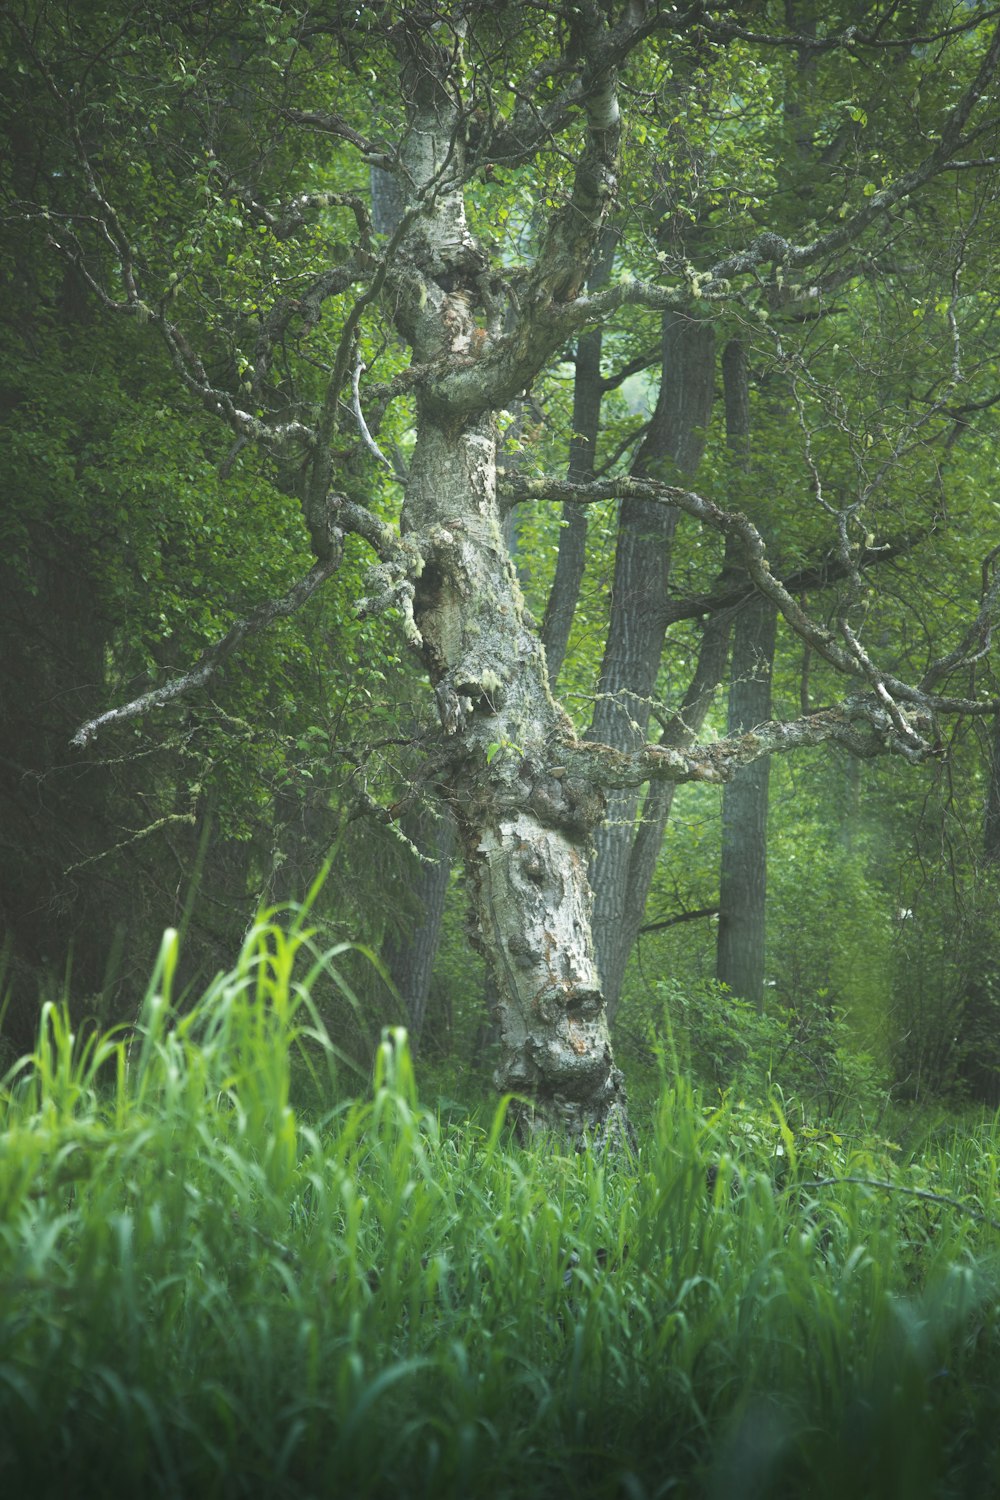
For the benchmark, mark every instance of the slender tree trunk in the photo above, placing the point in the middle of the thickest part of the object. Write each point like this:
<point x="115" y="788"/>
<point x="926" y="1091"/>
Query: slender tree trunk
<point x="743" y="873"/>
<point x="991" y="821"/>
<point x="572" y="555"/>
<point x="409" y="954"/>
<point x="638" y="623"/>
<point x="659" y="799"/>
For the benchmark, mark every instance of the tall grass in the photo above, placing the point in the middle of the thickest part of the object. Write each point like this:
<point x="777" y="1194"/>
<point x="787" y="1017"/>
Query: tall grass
<point x="205" y="1291"/>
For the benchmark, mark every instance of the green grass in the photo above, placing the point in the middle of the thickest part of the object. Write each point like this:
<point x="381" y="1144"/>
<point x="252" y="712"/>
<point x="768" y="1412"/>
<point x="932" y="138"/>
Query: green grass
<point x="205" y="1291"/>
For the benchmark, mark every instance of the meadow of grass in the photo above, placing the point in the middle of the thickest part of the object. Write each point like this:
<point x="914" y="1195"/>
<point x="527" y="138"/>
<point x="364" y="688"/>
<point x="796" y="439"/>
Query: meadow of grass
<point x="206" y="1290"/>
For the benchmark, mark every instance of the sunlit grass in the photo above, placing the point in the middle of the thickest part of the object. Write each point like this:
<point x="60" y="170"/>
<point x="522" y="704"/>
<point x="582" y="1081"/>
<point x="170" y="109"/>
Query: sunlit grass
<point x="205" y="1290"/>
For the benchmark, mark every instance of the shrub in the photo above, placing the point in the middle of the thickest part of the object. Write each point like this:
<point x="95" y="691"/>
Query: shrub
<point x="809" y="1054"/>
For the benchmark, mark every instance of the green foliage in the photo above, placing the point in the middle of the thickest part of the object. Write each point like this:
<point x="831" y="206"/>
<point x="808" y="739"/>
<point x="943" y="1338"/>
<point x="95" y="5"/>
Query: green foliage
<point x="809" y="1054"/>
<point x="207" y="1290"/>
<point x="135" y="534"/>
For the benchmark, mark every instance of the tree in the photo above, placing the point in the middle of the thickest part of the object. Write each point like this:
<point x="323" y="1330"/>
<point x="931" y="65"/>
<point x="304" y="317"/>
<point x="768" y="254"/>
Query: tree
<point x="488" y="117"/>
<point x="743" y="873"/>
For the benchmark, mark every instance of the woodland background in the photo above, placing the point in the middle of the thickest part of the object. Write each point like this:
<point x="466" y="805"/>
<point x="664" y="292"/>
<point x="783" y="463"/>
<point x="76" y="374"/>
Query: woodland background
<point x="134" y="531"/>
<point x="255" y="1237"/>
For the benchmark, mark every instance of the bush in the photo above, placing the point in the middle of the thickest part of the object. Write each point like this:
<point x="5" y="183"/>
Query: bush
<point x="809" y="1054"/>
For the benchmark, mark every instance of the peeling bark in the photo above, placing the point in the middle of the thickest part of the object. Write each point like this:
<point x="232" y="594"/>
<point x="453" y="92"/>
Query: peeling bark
<point x="526" y="830"/>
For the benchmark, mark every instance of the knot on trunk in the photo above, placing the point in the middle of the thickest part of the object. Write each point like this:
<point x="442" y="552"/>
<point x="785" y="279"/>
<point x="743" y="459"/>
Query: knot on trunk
<point x="564" y="801"/>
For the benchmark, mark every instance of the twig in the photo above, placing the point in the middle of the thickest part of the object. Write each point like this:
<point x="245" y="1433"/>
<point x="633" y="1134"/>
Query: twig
<point x="134" y="838"/>
<point x="899" y="1187"/>
<point x="366" y="437"/>
<point x="681" y="916"/>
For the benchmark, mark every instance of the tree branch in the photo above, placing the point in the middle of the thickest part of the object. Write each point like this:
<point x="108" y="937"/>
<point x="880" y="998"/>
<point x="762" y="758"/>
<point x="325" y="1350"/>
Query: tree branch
<point x="213" y="658"/>
<point x="771" y="248"/>
<point x="849" y="38"/>
<point x="860" y="725"/>
<point x="330" y="124"/>
<point x="821" y="574"/>
<point x="517" y="487"/>
<point x="682" y="916"/>
<point x="924" y="1194"/>
<point x="359" y="417"/>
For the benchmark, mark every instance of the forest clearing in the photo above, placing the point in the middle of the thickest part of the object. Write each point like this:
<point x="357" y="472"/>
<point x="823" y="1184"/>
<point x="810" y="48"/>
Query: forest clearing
<point x="499" y="563"/>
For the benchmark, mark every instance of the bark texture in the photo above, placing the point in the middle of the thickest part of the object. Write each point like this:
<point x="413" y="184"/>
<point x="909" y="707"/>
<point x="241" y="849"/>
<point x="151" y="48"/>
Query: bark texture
<point x="526" y="826"/>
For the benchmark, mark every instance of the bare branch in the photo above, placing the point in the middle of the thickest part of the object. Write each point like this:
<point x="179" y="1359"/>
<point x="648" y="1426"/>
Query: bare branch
<point x="897" y="1187"/>
<point x="860" y="725"/>
<point x="213" y="658"/>
<point x="330" y="124"/>
<point x="978" y="638"/>
<point x="738" y="526"/>
<point x="821" y="574"/>
<point x="699" y="914"/>
<point x="850" y="37"/>
<point x="366" y="436"/>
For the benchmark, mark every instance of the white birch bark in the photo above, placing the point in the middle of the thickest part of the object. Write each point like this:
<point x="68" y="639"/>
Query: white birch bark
<point x="526" y="829"/>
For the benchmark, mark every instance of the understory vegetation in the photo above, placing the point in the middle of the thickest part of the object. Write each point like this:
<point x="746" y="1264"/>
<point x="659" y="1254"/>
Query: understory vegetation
<point x="229" y="1267"/>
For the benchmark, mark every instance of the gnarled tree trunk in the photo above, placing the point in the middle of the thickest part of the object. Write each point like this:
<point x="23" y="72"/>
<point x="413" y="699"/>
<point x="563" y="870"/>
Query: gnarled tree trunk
<point x="525" y="824"/>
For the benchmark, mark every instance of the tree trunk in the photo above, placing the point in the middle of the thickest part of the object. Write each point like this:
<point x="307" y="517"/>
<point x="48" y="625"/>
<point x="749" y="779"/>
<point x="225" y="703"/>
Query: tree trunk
<point x="525" y="824"/>
<point x="525" y="828"/>
<point x="410" y="951"/>
<point x="991" y="820"/>
<point x="638" y="623"/>
<point x="681" y="733"/>
<point x="572" y="555"/>
<point x="743" y="872"/>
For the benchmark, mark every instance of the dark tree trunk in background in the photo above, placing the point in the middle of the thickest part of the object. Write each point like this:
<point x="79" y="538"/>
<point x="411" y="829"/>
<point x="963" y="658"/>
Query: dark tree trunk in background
<point x="681" y="733"/>
<point x="638" y="622"/>
<point x="410" y="951"/>
<point x="572" y="556"/>
<point x="743" y="873"/>
<point x="991" y="821"/>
